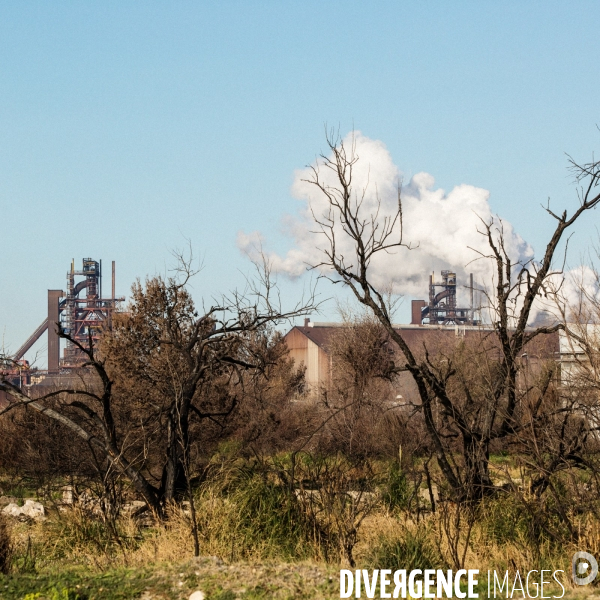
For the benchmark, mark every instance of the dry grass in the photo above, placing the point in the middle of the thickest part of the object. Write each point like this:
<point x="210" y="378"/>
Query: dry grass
<point x="245" y="526"/>
<point x="74" y="539"/>
<point x="251" y="533"/>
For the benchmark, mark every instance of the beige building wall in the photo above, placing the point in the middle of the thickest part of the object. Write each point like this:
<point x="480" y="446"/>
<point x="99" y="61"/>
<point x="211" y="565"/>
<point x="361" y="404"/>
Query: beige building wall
<point x="308" y="353"/>
<point x="297" y="344"/>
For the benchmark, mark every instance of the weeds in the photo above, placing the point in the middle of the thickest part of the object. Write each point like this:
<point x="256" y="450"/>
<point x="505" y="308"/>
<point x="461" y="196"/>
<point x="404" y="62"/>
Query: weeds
<point x="253" y="516"/>
<point x="80" y="532"/>
<point x="253" y="511"/>
<point x="26" y="561"/>
<point x="54" y="594"/>
<point x="455" y="524"/>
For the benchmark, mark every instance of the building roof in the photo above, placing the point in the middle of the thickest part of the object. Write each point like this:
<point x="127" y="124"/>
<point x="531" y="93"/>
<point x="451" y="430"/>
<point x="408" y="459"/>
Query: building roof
<point x="320" y="335"/>
<point x="414" y="335"/>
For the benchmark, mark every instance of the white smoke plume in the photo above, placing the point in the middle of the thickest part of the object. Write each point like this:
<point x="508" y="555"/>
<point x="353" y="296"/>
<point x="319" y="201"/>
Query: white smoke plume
<point x="444" y="228"/>
<point x="573" y="296"/>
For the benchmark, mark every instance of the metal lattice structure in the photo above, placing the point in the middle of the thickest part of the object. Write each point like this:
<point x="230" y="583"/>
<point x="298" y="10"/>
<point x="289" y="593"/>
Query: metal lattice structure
<point x="442" y="308"/>
<point x="85" y="318"/>
<point x="82" y="317"/>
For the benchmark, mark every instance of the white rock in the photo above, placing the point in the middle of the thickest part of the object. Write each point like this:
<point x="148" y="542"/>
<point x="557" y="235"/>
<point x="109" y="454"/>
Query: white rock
<point x="12" y="510"/>
<point x="198" y="595"/>
<point x="31" y="509"/>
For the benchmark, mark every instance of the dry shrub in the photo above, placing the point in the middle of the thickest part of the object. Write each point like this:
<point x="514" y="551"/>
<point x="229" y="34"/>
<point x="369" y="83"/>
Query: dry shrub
<point x="40" y="450"/>
<point x="167" y="543"/>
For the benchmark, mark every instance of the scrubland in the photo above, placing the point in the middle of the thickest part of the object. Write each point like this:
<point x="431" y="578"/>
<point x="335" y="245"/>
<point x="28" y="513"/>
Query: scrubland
<point x="261" y="539"/>
<point x="189" y="453"/>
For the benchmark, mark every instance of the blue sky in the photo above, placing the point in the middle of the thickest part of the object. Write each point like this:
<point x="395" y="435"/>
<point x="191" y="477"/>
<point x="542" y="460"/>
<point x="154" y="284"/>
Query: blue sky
<point x="126" y="128"/>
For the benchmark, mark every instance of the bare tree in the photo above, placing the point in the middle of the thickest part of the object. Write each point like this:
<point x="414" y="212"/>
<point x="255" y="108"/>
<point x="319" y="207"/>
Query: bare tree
<point x="164" y="366"/>
<point x="451" y="407"/>
<point x="359" y="399"/>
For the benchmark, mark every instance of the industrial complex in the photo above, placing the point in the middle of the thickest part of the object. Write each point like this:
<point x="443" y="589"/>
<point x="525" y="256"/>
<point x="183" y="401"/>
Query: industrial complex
<point x="441" y="308"/>
<point x="81" y="311"/>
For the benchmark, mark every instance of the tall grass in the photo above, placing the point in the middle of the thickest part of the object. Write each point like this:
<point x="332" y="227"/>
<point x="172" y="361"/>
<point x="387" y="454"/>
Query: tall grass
<point x="82" y="533"/>
<point x="411" y="550"/>
<point x="396" y="492"/>
<point x="251" y="511"/>
<point x="253" y="516"/>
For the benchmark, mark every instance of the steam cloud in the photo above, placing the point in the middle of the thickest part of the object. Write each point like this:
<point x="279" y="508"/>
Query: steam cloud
<point x="444" y="227"/>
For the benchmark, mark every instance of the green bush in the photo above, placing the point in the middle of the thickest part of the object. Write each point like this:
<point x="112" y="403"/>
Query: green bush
<point x="396" y="491"/>
<point x="503" y="519"/>
<point x="267" y="517"/>
<point x="245" y="511"/>
<point x="509" y="519"/>
<point x="413" y="551"/>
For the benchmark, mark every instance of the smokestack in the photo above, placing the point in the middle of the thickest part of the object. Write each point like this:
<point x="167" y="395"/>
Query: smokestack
<point x="113" y="281"/>
<point x="416" y="310"/>
<point x="53" y="339"/>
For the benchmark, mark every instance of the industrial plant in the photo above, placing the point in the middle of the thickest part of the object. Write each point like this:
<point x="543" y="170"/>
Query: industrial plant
<point x="82" y="315"/>
<point x="442" y="308"/>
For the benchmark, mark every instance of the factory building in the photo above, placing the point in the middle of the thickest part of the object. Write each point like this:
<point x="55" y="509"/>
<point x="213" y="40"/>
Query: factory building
<point x="438" y="323"/>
